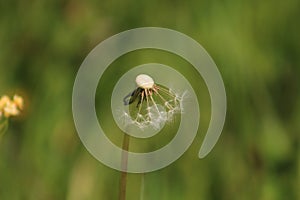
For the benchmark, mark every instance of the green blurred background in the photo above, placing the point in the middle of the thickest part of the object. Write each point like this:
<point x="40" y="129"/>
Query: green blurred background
<point x="256" y="46"/>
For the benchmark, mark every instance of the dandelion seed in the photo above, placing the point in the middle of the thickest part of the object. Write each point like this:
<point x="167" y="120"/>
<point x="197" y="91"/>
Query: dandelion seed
<point x="155" y="104"/>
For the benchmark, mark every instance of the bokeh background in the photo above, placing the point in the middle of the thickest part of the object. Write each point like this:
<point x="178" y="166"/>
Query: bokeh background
<point x="254" y="43"/>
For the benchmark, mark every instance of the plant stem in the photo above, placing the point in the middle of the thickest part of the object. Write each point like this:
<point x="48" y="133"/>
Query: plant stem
<point x="124" y="157"/>
<point x="142" y="186"/>
<point x="3" y="127"/>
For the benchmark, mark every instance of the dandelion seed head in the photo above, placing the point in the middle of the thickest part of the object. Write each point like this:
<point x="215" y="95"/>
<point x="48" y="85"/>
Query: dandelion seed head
<point x="155" y="105"/>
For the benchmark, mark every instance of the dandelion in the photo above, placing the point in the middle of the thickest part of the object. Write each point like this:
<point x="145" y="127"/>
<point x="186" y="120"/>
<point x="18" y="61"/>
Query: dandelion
<point x="156" y="104"/>
<point x="150" y="105"/>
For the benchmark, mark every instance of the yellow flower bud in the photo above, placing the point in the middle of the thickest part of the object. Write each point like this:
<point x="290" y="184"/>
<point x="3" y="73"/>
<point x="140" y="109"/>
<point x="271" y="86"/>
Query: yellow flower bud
<point x="3" y="101"/>
<point x="19" y="101"/>
<point x="11" y="110"/>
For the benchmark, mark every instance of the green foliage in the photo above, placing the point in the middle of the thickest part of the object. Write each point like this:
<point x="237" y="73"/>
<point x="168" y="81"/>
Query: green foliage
<point x="3" y="127"/>
<point x="255" y="44"/>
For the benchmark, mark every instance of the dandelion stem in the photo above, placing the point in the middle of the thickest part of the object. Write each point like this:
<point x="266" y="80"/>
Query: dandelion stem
<point x="124" y="157"/>
<point x="142" y="186"/>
